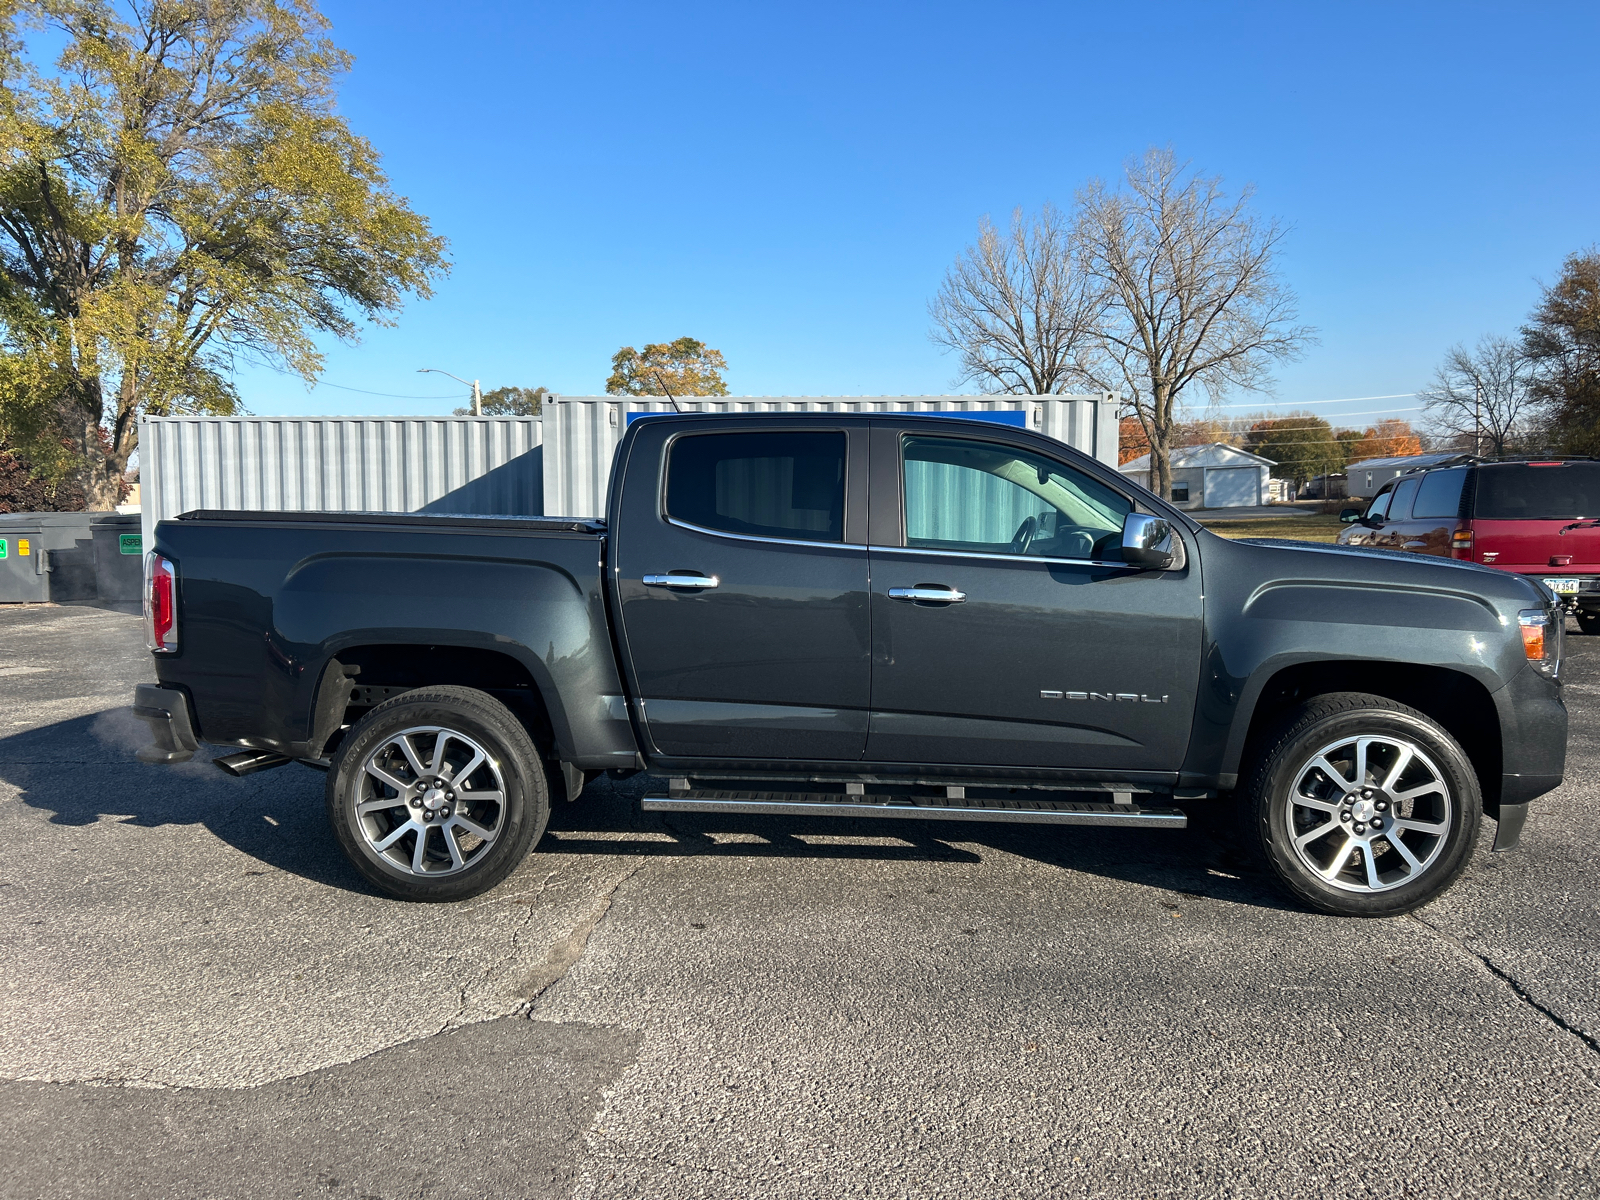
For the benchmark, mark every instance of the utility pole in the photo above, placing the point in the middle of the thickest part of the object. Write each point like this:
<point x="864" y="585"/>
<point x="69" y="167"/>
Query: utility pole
<point x="1477" y="420"/>
<point x="477" y="395"/>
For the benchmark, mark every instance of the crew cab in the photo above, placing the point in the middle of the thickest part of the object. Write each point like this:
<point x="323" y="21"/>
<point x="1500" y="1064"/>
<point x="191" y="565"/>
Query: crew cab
<point x="842" y="615"/>
<point x="1538" y="517"/>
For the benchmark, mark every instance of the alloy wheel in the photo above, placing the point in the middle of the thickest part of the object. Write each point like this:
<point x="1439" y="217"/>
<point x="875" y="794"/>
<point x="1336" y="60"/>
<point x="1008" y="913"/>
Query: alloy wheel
<point x="431" y="801"/>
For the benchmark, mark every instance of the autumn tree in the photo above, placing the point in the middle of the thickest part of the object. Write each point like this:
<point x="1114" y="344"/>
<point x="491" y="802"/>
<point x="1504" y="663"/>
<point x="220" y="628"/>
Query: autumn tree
<point x="1131" y="441"/>
<point x="1389" y="438"/>
<point x="179" y="194"/>
<point x="1191" y="298"/>
<point x="1562" y="342"/>
<point x="684" y="367"/>
<point x="1482" y="397"/>
<point x="1018" y="309"/>
<point x="1301" y="447"/>
<point x="510" y="402"/>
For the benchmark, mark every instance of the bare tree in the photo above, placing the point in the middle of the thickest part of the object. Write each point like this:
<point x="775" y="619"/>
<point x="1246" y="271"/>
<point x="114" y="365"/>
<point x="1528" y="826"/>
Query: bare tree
<point x="1191" y="294"/>
<point x="1017" y="309"/>
<point x="1484" y="394"/>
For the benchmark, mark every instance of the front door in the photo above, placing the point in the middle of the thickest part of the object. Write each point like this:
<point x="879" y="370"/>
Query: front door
<point x="743" y="600"/>
<point x="1006" y="632"/>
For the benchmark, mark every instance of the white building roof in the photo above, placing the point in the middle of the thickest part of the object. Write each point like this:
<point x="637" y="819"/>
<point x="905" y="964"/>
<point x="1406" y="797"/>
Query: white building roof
<point x="1216" y="454"/>
<point x="1406" y="461"/>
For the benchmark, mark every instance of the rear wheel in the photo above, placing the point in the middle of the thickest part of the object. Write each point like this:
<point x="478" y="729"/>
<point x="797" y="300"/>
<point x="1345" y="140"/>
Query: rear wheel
<point x="1363" y="806"/>
<point x="1588" y="622"/>
<point x="437" y="794"/>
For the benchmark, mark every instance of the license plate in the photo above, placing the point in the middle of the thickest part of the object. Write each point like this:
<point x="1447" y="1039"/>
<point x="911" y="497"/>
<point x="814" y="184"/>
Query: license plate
<point x="1562" y="587"/>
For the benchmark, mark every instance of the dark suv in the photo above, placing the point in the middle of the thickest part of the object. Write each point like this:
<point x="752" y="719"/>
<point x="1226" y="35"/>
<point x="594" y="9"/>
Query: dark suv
<point x="1536" y="517"/>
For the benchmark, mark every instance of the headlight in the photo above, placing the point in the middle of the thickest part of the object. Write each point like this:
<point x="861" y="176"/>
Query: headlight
<point x="1542" y="631"/>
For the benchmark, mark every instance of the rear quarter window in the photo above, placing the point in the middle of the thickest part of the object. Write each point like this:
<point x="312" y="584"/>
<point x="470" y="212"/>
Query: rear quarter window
<point x="1523" y="492"/>
<point x="1440" y="494"/>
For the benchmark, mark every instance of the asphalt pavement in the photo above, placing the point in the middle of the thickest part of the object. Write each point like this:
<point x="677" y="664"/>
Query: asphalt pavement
<point x="202" y="1000"/>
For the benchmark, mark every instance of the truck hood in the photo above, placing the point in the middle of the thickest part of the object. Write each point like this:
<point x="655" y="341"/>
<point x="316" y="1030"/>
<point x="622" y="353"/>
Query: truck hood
<point x="1423" y="568"/>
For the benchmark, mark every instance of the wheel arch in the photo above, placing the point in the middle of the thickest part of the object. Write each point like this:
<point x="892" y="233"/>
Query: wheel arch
<point x="1457" y="701"/>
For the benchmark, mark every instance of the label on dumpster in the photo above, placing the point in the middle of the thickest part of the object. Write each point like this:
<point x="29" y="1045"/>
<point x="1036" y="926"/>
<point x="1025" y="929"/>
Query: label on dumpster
<point x="131" y="543"/>
<point x="24" y="547"/>
<point x="3" y="545"/>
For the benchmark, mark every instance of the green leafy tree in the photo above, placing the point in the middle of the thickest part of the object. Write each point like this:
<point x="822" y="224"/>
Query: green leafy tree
<point x="683" y="367"/>
<point x="1348" y="440"/>
<point x="1301" y="446"/>
<point x="1562" y="342"/>
<point x="510" y="402"/>
<point x="179" y="194"/>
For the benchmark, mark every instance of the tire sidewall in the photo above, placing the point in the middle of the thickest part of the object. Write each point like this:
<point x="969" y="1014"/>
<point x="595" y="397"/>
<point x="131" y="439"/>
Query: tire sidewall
<point x="526" y="801"/>
<point x="1277" y="776"/>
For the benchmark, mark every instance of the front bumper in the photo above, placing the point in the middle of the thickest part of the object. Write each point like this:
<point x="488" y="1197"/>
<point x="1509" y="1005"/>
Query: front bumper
<point x="166" y="711"/>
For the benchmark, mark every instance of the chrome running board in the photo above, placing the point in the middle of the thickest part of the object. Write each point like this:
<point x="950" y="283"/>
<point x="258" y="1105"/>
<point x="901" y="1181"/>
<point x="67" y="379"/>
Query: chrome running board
<point x="916" y="808"/>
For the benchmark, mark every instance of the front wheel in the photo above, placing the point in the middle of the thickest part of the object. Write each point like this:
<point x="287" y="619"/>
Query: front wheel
<point x="1363" y="806"/>
<point x="437" y="794"/>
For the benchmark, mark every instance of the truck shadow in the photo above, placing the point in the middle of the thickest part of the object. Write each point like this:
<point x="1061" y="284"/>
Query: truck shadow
<point x="83" y="771"/>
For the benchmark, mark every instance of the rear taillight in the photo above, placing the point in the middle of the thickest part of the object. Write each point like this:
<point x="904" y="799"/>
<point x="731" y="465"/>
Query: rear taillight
<point x="160" y="604"/>
<point x="1461" y="543"/>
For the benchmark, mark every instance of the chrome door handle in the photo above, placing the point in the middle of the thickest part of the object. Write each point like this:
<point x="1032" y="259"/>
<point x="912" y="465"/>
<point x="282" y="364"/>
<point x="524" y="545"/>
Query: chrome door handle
<point x="939" y="594"/>
<point x="689" y="581"/>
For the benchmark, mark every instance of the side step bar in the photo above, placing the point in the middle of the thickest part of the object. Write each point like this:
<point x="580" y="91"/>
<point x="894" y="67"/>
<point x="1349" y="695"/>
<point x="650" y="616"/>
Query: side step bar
<point x="916" y="808"/>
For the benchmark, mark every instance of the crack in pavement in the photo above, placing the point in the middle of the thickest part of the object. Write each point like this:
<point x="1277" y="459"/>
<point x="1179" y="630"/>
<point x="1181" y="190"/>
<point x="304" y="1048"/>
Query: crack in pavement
<point x="568" y="952"/>
<point x="1516" y="988"/>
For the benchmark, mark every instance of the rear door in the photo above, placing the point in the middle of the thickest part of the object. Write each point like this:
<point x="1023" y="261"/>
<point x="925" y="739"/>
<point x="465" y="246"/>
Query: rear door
<point x="1005" y="631"/>
<point x="1436" y="512"/>
<point x="741" y="579"/>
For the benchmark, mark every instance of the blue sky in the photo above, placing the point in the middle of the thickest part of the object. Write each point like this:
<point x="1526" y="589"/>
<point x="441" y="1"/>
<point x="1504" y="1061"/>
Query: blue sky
<point x="790" y="182"/>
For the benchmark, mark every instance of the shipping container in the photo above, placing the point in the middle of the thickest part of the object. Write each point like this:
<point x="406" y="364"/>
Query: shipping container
<point x="582" y="432"/>
<point x="486" y="465"/>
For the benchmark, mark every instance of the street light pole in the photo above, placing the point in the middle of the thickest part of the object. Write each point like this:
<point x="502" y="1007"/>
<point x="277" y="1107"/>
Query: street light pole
<point x="477" y="395"/>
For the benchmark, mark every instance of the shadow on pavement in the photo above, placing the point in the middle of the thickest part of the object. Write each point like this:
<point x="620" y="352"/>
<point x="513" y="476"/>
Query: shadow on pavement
<point x="83" y="771"/>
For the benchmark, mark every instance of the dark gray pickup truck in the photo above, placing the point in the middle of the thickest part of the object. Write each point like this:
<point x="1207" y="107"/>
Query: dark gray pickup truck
<point x="861" y="616"/>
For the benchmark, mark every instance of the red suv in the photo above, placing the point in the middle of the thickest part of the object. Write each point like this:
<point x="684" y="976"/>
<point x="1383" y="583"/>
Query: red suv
<point x="1537" y="517"/>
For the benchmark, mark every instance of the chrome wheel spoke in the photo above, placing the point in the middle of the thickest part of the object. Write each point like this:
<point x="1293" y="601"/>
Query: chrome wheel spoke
<point x="473" y="828"/>
<point x="484" y="797"/>
<point x="1413" y="863"/>
<point x="419" y="852"/>
<point x="395" y="835"/>
<point x="1327" y="806"/>
<point x="369" y="806"/>
<point x="448" y="833"/>
<point x="1341" y="859"/>
<point x="1400" y="765"/>
<point x="437" y="765"/>
<point x="410" y="751"/>
<point x="1436" y="787"/>
<point x="477" y="760"/>
<point x="1321" y="763"/>
<point x="1432" y="828"/>
<point x="1321" y="831"/>
<point x="383" y="776"/>
<point x="1361" y="760"/>
<point x="1371" y="860"/>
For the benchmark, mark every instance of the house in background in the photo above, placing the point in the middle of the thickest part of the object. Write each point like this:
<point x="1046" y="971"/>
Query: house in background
<point x="1370" y="474"/>
<point x="1213" y="476"/>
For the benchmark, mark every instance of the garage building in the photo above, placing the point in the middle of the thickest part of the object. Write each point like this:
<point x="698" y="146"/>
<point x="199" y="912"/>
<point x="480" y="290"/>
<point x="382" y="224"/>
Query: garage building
<point x="1213" y="476"/>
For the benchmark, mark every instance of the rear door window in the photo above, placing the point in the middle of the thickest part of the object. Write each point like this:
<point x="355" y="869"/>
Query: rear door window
<point x="1400" y="505"/>
<point x="1440" y="494"/>
<point x="778" y="485"/>
<point x="1530" y="492"/>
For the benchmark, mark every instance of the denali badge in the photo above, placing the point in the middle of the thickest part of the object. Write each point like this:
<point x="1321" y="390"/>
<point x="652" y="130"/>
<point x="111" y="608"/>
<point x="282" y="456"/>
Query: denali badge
<point x="1136" y="697"/>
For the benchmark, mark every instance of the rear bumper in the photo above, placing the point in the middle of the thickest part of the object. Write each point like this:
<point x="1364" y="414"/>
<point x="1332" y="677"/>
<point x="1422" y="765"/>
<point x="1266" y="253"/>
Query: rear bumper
<point x="166" y="711"/>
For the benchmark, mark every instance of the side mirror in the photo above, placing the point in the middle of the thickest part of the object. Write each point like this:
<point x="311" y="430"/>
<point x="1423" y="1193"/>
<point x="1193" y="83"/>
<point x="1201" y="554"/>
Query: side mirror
<point x="1147" y="541"/>
<point x="1350" y="516"/>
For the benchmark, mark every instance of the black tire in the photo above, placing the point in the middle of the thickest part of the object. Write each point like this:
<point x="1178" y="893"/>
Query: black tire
<point x="1335" y="870"/>
<point x="420" y="838"/>
<point x="1588" y="622"/>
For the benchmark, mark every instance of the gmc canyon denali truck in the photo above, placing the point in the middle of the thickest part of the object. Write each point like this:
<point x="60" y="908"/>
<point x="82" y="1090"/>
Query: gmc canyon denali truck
<point x="861" y="616"/>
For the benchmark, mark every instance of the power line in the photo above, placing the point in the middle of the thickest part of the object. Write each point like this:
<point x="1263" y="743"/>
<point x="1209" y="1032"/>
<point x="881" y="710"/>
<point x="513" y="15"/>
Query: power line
<point x="386" y="395"/>
<point x="1307" y="403"/>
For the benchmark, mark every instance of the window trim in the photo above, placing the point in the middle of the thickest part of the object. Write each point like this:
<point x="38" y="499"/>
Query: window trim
<point x="844" y="481"/>
<point x="900" y="500"/>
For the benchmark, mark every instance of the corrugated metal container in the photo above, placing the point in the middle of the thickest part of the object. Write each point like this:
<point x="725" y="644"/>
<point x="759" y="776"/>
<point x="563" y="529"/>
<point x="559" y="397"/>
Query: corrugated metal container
<point x="485" y="465"/>
<point x="582" y="432"/>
